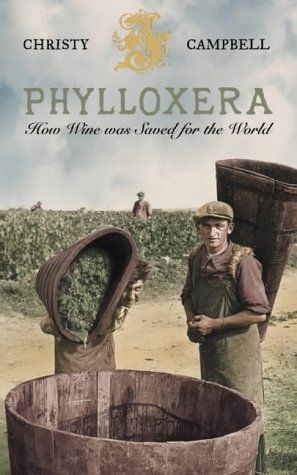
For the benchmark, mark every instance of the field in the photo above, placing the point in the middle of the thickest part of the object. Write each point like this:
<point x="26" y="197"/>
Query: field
<point x="153" y="338"/>
<point x="28" y="239"/>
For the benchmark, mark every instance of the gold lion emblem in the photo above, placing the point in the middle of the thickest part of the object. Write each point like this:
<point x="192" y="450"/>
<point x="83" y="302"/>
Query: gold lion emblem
<point x="146" y="49"/>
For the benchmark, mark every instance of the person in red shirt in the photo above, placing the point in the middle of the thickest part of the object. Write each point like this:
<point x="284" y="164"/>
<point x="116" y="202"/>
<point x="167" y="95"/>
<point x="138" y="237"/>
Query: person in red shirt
<point x="224" y="299"/>
<point x="36" y="207"/>
<point x="142" y="208"/>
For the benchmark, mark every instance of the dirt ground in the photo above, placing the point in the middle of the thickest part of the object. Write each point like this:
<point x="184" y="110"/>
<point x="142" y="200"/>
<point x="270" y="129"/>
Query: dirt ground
<point x="153" y="338"/>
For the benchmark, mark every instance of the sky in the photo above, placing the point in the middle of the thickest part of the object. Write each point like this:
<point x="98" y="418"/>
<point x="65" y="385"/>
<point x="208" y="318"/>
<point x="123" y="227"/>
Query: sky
<point x="106" y="171"/>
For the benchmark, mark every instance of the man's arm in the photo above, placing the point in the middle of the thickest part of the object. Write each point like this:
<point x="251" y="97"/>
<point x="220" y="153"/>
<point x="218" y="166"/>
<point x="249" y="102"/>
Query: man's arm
<point x="250" y="287"/>
<point x="149" y="210"/>
<point x="186" y="295"/>
<point x="251" y="293"/>
<point x="188" y="309"/>
<point x="242" y="319"/>
<point x="194" y="334"/>
<point x="47" y="326"/>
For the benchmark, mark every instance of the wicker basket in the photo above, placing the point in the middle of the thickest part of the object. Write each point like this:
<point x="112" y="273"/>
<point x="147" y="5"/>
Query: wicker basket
<point x="264" y="198"/>
<point x="120" y="245"/>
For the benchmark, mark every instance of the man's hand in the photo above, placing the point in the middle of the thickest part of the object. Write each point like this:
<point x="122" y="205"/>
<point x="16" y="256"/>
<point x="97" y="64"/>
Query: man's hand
<point x="204" y="324"/>
<point x="47" y="326"/>
<point x="242" y="319"/>
<point x="194" y="335"/>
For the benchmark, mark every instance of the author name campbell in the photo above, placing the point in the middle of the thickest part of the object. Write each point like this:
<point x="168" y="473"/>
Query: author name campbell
<point x="227" y="44"/>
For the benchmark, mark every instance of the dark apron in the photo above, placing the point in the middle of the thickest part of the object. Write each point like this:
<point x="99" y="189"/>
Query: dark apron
<point x="230" y="357"/>
<point x="74" y="357"/>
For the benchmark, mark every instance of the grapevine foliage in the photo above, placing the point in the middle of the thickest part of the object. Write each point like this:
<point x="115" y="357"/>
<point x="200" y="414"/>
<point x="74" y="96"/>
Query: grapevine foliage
<point x="82" y="290"/>
<point x="28" y="239"/>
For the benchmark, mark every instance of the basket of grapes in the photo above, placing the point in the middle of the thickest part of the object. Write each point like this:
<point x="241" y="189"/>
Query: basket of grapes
<point x="82" y="286"/>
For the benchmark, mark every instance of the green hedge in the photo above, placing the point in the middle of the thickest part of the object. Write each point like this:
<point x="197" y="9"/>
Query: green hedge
<point x="28" y="239"/>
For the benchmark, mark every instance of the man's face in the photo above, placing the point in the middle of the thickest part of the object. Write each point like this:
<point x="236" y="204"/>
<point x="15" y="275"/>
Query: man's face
<point x="140" y="197"/>
<point x="214" y="233"/>
<point x="131" y="294"/>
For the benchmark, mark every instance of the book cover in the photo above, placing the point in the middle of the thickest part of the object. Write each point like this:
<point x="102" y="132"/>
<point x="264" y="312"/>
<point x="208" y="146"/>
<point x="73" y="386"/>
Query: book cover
<point x="101" y="101"/>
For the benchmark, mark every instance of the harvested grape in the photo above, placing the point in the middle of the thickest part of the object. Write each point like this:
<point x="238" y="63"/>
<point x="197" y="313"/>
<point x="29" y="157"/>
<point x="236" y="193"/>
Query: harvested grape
<point x="82" y="290"/>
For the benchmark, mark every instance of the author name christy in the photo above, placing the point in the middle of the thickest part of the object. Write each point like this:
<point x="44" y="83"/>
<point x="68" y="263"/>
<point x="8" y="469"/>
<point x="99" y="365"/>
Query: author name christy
<point x="224" y="44"/>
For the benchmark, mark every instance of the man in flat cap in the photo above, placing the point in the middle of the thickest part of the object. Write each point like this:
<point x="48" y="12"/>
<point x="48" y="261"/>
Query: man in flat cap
<point x="142" y="208"/>
<point x="224" y="298"/>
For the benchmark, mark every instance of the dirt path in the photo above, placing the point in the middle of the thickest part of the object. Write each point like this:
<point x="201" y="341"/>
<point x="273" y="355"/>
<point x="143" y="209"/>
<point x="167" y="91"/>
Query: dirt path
<point x="153" y="338"/>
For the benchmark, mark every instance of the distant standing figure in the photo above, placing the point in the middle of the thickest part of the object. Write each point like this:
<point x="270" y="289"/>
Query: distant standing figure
<point x="36" y="207"/>
<point x="142" y="208"/>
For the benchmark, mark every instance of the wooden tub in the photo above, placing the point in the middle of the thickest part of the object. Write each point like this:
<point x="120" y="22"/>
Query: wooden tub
<point x="130" y="422"/>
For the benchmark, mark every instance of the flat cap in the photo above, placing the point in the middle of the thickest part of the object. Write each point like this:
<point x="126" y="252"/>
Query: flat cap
<point x="214" y="209"/>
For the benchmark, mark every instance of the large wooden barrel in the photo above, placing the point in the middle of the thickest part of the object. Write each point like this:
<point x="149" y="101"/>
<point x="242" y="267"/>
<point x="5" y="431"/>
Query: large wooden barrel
<point x="264" y="198"/>
<point x="130" y="422"/>
<point x="122" y="248"/>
